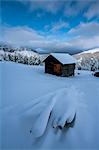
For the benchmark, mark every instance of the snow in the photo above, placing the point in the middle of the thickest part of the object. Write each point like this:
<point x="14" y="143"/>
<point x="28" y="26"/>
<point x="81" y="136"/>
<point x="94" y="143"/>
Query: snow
<point x="28" y="95"/>
<point x="97" y="71"/>
<point x="64" y="108"/>
<point x="28" y="53"/>
<point x="64" y="58"/>
<point x="1" y="54"/>
<point x="91" y="51"/>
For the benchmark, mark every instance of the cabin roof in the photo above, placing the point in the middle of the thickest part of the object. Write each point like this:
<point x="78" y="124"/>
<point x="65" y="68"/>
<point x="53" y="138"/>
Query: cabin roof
<point x="63" y="58"/>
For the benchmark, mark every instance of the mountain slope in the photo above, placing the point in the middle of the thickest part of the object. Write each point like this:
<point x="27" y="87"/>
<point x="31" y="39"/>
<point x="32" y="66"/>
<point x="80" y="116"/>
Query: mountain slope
<point x="92" y="51"/>
<point x="88" y="60"/>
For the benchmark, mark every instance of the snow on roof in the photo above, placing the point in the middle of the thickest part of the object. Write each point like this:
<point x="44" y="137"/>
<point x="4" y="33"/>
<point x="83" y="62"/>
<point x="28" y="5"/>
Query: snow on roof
<point x="64" y="58"/>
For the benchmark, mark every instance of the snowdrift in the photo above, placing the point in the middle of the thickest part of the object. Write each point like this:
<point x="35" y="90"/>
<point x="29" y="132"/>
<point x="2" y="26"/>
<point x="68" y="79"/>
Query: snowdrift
<point x="28" y="97"/>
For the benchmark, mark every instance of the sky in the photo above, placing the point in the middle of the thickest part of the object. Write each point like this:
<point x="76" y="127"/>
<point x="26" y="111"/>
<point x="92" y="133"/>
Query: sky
<point x="52" y="25"/>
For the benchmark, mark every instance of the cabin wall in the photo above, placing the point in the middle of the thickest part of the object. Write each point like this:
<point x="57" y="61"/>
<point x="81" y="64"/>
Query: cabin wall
<point x="52" y="66"/>
<point x="49" y="68"/>
<point x="68" y="70"/>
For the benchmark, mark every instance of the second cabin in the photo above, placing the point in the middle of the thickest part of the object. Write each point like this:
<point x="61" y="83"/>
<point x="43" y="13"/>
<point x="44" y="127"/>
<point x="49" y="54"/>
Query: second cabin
<point x="60" y="64"/>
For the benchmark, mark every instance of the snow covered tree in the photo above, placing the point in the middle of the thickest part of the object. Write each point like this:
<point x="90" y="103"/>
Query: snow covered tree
<point x="25" y="60"/>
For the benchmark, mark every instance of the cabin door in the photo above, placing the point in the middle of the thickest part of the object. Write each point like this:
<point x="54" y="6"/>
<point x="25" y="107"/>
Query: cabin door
<point x="57" y="69"/>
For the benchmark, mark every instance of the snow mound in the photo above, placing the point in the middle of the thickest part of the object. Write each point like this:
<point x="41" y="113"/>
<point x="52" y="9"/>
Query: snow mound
<point x="59" y="105"/>
<point x="65" y="107"/>
<point x="38" y="114"/>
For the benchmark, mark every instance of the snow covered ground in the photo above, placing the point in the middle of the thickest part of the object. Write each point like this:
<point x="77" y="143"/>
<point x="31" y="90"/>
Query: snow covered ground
<point x="27" y="95"/>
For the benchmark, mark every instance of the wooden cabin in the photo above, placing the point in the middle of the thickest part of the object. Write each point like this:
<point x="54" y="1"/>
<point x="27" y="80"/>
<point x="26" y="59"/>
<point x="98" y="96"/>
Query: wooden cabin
<point x="60" y="64"/>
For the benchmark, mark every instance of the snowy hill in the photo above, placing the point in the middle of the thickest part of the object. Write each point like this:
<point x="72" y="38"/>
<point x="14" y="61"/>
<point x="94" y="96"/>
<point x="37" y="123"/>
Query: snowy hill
<point x="27" y="95"/>
<point x="88" y="60"/>
<point x="92" y="51"/>
<point x="21" y="56"/>
<point x="25" y="55"/>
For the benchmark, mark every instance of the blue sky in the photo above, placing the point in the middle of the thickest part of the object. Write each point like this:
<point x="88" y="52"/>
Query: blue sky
<point x="53" y="25"/>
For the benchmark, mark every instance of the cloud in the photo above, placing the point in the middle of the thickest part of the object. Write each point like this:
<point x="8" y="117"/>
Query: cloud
<point x="70" y="8"/>
<point x="25" y="36"/>
<point x="56" y="27"/>
<point x="85" y="36"/>
<point x="93" y="11"/>
<point x="84" y="43"/>
<point x="46" y="5"/>
<point x="85" y="29"/>
<point x="75" y="7"/>
<point x="19" y="35"/>
<point x="59" y="25"/>
<point x="39" y="14"/>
